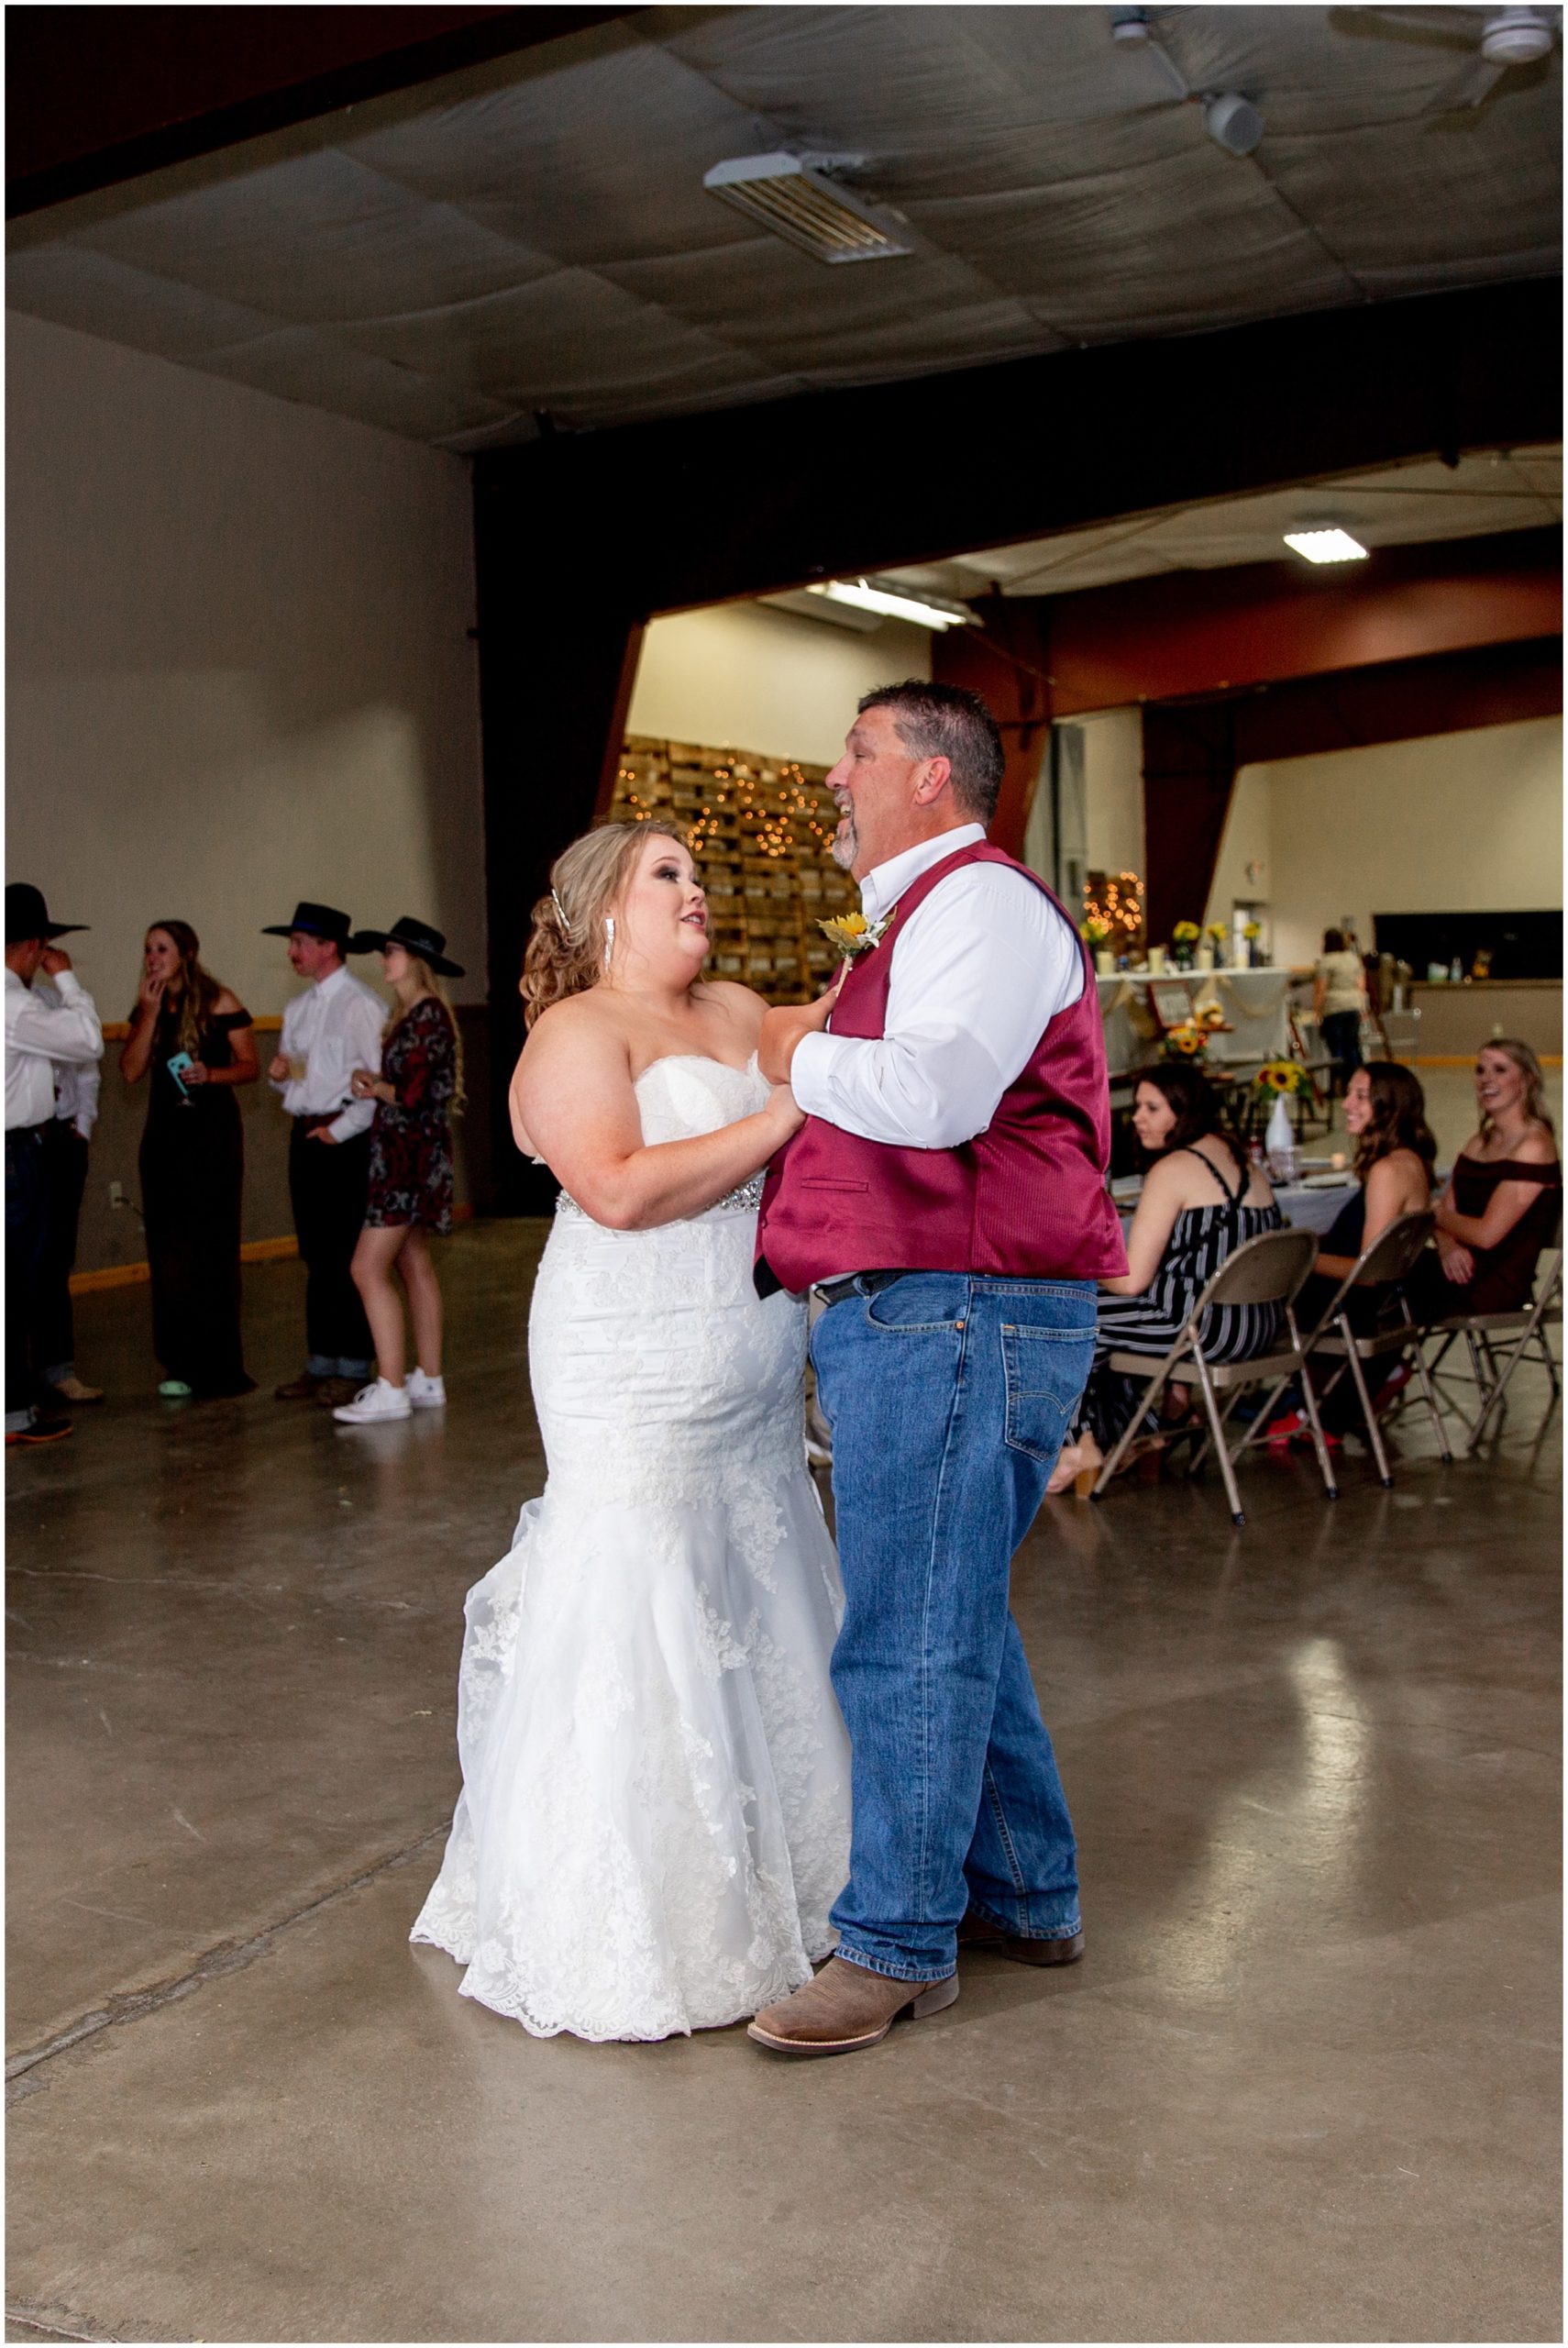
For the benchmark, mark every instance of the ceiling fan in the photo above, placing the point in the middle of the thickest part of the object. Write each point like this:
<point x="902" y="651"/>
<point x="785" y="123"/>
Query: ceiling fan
<point x="1502" y="40"/>
<point x="1494" y="41"/>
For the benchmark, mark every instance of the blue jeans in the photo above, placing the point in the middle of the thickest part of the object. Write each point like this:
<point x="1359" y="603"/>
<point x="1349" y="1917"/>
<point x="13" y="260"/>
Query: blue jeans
<point x="948" y="1398"/>
<point x="1342" y="1038"/>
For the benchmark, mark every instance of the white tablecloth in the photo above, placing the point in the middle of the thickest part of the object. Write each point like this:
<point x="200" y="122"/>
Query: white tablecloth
<point x="1308" y="1209"/>
<point x="1255" y="1003"/>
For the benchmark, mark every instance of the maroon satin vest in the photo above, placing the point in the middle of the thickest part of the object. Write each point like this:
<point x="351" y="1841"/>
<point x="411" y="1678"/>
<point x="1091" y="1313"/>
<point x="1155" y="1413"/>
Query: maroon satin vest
<point x="1025" y="1200"/>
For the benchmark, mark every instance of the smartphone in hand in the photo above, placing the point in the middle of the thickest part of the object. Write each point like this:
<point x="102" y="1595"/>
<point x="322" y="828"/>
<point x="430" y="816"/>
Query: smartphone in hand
<point x="177" y="1067"/>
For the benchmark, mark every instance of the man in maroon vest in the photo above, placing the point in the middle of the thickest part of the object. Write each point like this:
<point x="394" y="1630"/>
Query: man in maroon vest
<point x="946" y="1200"/>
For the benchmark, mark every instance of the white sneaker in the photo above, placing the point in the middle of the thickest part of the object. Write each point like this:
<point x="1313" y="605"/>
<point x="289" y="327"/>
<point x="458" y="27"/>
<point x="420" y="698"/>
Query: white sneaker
<point x="425" y="1393"/>
<point x="377" y="1400"/>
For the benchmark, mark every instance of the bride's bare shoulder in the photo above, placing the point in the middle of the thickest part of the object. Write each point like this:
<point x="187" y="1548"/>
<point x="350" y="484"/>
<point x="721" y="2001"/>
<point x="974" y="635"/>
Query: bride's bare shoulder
<point x="578" y="1023"/>
<point x="738" y="1003"/>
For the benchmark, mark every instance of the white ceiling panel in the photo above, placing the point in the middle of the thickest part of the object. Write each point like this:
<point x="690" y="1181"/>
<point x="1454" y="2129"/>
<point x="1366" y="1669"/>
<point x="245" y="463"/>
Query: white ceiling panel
<point x="533" y="234"/>
<point x="76" y="286"/>
<point x="1489" y="491"/>
<point x="347" y="243"/>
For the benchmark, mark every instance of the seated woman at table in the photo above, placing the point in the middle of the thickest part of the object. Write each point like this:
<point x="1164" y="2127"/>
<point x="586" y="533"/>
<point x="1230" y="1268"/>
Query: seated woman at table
<point x="1200" y="1200"/>
<point x="1505" y="1199"/>
<point x="1386" y="1116"/>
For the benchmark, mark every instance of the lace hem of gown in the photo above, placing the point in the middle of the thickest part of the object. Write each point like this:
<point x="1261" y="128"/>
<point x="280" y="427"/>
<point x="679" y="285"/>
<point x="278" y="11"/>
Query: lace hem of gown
<point x="660" y="1854"/>
<point x="655" y="1818"/>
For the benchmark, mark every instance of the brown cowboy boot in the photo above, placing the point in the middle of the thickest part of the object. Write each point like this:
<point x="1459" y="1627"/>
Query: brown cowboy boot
<point x="977" y="1930"/>
<point x="846" y="2008"/>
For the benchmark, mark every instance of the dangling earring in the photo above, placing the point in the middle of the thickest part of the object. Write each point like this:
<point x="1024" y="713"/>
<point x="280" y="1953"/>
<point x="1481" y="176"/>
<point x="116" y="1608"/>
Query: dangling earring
<point x="609" y="939"/>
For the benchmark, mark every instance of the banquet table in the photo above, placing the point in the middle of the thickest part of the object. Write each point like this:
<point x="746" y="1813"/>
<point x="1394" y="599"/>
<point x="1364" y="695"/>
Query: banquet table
<point x="1255" y="1004"/>
<point x="1306" y="1205"/>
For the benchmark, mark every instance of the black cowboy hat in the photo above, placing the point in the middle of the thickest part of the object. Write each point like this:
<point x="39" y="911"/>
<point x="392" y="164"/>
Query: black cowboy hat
<point x="416" y="937"/>
<point x="318" y="921"/>
<point x="27" y="915"/>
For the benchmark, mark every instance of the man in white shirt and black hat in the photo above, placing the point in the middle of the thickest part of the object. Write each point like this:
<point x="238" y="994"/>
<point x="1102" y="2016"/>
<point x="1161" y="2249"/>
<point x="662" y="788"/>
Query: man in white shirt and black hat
<point x="39" y="1036"/>
<point x="331" y="1029"/>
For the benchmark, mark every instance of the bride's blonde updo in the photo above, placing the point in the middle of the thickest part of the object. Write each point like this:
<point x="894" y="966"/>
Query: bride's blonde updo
<point x="565" y="953"/>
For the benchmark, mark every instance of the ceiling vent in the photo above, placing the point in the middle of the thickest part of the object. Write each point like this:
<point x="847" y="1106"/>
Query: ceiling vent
<point x="793" y="197"/>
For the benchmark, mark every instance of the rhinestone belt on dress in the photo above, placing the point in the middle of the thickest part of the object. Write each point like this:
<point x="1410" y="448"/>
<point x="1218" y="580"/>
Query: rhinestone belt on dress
<point x="745" y="1201"/>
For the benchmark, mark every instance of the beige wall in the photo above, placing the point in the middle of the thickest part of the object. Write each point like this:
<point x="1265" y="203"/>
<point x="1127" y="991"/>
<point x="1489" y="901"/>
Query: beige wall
<point x="746" y="675"/>
<point x="1453" y="822"/>
<point x="239" y="674"/>
<point x="239" y="668"/>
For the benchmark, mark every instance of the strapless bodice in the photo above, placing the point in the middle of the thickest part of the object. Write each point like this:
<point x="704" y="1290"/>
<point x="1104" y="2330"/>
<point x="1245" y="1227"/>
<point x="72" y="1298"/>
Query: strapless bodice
<point x="687" y="1093"/>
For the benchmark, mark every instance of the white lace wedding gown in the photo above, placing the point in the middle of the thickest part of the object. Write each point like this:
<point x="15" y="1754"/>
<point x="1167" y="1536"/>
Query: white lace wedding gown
<point x="655" y="1815"/>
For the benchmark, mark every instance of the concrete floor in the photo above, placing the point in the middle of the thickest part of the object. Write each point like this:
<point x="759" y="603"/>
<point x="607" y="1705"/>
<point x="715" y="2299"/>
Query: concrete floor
<point x="1304" y="2086"/>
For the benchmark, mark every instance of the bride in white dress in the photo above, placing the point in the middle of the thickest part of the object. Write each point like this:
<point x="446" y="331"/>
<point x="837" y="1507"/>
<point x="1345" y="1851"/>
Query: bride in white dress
<point x="655" y="1815"/>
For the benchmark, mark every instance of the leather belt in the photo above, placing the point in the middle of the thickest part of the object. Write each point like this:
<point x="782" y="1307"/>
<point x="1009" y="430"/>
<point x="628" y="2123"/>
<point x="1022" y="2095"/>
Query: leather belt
<point x="856" y="1284"/>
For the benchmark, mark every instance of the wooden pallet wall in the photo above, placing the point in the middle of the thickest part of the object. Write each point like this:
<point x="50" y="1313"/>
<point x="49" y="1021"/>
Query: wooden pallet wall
<point x="760" y="829"/>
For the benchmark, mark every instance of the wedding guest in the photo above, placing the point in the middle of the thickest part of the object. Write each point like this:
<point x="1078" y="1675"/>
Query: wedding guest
<point x="416" y="1092"/>
<point x="39" y="1036"/>
<point x="1339" y="999"/>
<point x="192" y="1037"/>
<point x="1386" y="1116"/>
<point x="76" y="1087"/>
<point x="1504" y="1201"/>
<point x="331" y="1029"/>
<point x="1200" y="1199"/>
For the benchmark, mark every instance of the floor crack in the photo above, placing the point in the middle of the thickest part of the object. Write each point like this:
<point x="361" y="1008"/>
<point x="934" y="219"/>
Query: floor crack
<point x="57" y="2322"/>
<point x="212" y="1965"/>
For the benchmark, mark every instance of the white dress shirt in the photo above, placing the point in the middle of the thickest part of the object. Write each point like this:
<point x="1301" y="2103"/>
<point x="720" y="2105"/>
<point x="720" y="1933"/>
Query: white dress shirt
<point x="334" y="1027"/>
<point x="978" y="971"/>
<point x="38" y="1033"/>
<point x="77" y="1083"/>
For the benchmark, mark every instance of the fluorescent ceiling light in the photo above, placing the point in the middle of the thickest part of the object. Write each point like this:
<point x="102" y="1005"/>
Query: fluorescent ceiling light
<point x="1326" y="546"/>
<point x="806" y="208"/>
<point x="892" y="604"/>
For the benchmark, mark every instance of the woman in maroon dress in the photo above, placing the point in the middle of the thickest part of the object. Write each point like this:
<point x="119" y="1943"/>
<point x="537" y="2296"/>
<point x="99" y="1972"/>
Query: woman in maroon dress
<point x="418" y="1089"/>
<point x="1505" y="1200"/>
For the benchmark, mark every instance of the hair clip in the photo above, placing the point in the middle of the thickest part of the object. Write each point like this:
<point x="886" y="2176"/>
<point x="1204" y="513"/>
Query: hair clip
<point x="560" y="911"/>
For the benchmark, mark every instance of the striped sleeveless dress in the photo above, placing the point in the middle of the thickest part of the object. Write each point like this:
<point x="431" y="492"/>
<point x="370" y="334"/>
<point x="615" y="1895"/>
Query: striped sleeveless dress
<point x="1199" y="1242"/>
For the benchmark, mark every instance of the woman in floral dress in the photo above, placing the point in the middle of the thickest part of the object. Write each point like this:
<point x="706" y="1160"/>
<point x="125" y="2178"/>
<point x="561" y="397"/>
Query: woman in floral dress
<point x="417" y="1092"/>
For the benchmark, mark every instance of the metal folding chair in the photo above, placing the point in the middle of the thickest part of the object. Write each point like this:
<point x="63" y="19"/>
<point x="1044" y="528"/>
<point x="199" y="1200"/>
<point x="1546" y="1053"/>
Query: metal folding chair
<point x="1514" y="1334"/>
<point x="1401" y="1034"/>
<point x="1266" y="1270"/>
<point x="1387" y="1263"/>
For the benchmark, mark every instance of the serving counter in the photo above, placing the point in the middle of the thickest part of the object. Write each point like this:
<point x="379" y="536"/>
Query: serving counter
<point x="1459" y="1016"/>
<point x="1255" y="1004"/>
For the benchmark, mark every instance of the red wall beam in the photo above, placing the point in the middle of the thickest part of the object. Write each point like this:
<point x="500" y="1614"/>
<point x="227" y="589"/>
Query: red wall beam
<point x="1005" y="664"/>
<point x="1192" y="752"/>
<point x="1206" y="631"/>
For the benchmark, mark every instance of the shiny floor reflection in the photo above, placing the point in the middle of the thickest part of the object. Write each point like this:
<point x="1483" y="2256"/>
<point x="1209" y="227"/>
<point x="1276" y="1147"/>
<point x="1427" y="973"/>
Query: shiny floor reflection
<point x="1303" y="2086"/>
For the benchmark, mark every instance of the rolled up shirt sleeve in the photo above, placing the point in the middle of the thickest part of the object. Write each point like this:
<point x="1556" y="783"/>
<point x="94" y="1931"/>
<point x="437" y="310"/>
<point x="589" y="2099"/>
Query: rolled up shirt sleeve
<point x="69" y="1031"/>
<point x="978" y="969"/>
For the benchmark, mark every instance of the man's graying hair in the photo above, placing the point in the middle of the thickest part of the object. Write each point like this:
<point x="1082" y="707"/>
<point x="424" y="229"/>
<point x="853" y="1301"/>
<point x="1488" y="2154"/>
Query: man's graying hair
<point x="949" y="722"/>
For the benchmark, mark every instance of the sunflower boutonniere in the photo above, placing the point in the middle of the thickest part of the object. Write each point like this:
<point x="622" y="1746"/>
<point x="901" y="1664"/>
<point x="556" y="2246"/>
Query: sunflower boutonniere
<point x="851" y="933"/>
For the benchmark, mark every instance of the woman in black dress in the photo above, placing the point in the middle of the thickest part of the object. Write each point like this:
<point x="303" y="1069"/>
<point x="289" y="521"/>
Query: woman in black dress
<point x="417" y="1090"/>
<point x="1386" y="1116"/>
<point x="193" y="1159"/>
<point x="1504" y="1203"/>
